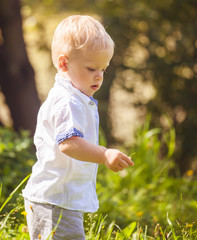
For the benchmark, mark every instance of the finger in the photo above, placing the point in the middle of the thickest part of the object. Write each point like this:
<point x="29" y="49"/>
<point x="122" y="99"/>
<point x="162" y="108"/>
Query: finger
<point x="115" y="169"/>
<point x="123" y="164"/>
<point x="120" y="167"/>
<point x="128" y="160"/>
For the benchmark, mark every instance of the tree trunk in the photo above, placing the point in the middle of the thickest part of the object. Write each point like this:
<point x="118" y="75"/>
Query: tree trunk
<point x="16" y="74"/>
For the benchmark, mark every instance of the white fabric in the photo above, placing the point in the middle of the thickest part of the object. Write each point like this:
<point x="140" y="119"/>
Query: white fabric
<point x="56" y="178"/>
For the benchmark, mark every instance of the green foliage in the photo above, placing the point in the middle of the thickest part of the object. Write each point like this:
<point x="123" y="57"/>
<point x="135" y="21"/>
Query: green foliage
<point x="134" y="230"/>
<point x="12" y="224"/>
<point x="16" y="159"/>
<point x="152" y="188"/>
<point x="155" y="43"/>
<point x="147" y="201"/>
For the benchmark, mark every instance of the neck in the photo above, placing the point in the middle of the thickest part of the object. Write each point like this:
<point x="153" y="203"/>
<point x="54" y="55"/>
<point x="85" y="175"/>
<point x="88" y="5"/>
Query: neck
<point x="64" y="75"/>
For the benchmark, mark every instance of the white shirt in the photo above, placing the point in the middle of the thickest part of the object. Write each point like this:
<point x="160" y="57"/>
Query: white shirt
<point x="57" y="178"/>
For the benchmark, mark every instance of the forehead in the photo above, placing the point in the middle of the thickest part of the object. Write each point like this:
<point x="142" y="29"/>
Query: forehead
<point x="96" y="58"/>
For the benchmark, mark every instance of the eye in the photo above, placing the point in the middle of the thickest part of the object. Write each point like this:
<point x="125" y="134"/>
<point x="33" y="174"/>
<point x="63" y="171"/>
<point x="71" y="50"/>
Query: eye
<point x="90" y="69"/>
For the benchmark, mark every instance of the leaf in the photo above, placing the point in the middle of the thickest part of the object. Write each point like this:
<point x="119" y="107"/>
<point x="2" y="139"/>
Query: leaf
<point x="109" y="230"/>
<point x="129" y="229"/>
<point x="152" y="132"/>
<point x="168" y="220"/>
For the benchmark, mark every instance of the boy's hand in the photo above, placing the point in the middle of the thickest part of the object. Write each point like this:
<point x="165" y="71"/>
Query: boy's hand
<point x="116" y="160"/>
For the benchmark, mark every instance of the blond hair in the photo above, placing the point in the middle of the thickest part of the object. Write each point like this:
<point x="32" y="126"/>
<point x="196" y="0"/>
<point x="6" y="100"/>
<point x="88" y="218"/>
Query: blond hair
<point x="78" y="33"/>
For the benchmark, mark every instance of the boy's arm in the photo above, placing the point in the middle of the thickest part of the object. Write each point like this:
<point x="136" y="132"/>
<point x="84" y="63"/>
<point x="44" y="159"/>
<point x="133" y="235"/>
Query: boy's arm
<point x="82" y="150"/>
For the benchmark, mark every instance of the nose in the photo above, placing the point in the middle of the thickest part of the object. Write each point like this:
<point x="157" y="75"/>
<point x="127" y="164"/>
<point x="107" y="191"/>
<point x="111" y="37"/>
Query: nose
<point x="99" y="75"/>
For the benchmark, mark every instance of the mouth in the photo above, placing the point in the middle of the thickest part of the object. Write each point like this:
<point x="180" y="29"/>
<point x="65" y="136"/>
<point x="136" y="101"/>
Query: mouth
<point x="95" y="86"/>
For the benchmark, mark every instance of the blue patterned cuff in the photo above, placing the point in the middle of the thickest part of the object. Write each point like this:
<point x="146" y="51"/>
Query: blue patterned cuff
<point x="70" y="133"/>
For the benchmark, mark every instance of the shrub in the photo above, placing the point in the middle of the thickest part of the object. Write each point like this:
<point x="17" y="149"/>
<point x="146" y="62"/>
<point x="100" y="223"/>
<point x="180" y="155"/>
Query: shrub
<point x="149" y="191"/>
<point x="16" y="158"/>
<point x="146" y="201"/>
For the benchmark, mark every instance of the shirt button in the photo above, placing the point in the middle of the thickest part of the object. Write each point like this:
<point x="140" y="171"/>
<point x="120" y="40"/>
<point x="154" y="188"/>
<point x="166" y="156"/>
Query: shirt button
<point x="91" y="102"/>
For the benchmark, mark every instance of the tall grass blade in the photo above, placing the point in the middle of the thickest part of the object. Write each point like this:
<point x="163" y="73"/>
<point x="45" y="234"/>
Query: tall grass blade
<point x="131" y="155"/>
<point x="110" y="230"/>
<point x="3" y="223"/>
<point x="0" y="189"/>
<point x="99" y="225"/>
<point x="54" y="229"/>
<point x="15" y="190"/>
<point x="168" y="220"/>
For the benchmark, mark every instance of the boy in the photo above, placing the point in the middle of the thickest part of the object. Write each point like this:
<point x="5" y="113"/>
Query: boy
<point x="66" y="138"/>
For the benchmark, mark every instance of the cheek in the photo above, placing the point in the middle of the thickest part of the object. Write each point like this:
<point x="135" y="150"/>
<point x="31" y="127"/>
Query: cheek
<point x="85" y="75"/>
<point x="75" y="73"/>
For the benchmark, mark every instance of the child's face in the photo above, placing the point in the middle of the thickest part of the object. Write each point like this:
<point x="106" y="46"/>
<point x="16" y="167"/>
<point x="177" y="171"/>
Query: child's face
<point x="86" y="71"/>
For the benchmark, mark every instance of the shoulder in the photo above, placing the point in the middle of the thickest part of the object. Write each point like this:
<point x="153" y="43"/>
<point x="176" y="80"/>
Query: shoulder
<point x="75" y="104"/>
<point x="58" y="98"/>
<point x="67" y="103"/>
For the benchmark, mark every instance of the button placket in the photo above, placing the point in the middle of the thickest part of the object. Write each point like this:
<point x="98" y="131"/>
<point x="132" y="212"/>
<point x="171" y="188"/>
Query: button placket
<point x="91" y="103"/>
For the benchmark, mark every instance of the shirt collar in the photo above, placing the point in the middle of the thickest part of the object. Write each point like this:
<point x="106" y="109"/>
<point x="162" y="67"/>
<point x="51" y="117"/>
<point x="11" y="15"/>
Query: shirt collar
<point x="66" y="83"/>
<point x="94" y="100"/>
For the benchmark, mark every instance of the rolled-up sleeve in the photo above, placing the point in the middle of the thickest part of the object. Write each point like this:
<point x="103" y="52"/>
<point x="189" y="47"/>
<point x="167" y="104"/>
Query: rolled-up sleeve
<point x="69" y="121"/>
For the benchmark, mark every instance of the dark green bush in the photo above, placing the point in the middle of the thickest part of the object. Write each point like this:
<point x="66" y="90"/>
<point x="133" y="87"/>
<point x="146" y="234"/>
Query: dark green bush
<point x="16" y="158"/>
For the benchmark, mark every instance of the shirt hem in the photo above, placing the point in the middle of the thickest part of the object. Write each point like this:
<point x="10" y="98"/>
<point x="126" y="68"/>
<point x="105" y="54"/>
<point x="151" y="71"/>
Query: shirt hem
<point x="88" y="210"/>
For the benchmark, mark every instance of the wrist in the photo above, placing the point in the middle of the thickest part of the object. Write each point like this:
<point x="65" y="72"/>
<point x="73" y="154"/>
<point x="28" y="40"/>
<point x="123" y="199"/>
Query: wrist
<point x="103" y="158"/>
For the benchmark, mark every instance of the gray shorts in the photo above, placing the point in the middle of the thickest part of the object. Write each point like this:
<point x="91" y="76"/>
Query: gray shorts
<point x="42" y="219"/>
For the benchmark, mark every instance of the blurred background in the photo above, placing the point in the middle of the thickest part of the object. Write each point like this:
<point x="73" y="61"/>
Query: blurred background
<point x="153" y="71"/>
<point x="147" y="105"/>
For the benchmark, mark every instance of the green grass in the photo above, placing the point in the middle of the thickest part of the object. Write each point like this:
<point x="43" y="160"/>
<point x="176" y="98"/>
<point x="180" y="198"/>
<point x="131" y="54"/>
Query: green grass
<point x="148" y="201"/>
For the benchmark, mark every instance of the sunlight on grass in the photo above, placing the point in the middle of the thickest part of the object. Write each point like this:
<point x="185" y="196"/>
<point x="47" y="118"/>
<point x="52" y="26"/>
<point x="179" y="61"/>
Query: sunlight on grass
<point x="144" y="202"/>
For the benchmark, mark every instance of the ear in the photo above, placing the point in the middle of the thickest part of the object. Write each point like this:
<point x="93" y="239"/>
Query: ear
<point x="63" y="63"/>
